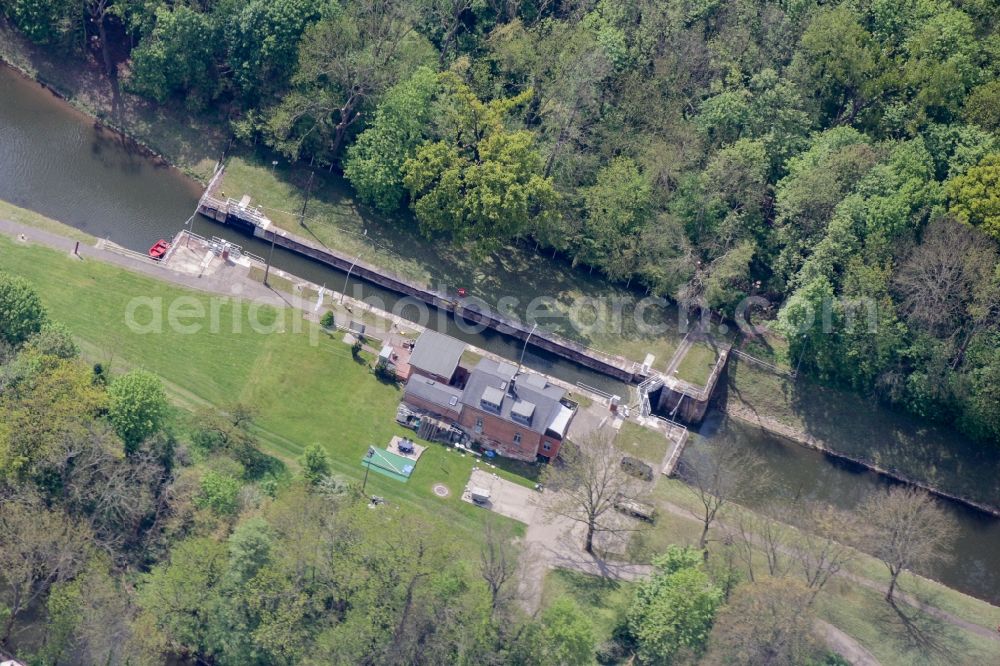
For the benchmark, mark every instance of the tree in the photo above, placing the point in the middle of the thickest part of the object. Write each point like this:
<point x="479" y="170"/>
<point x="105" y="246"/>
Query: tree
<point x="497" y="563"/>
<point x="315" y="464"/>
<point x="617" y="207"/>
<point x="821" y="548"/>
<point x="767" y="623"/>
<point x="938" y="281"/>
<point x="346" y="61"/>
<point x="587" y="481"/>
<point x="443" y="22"/>
<point x="53" y="339"/>
<point x="220" y="493"/>
<point x="490" y="197"/>
<point x="48" y="407"/>
<point x="374" y="163"/>
<point x="567" y="635"/>
<point x="21" y="311"/>
<point x="817" y="181"/>
<point x="906" y="529"/>
<point x="182" y="596"/>
<point x="838" y="63"/>
<point x="672" y="612"/>
<point x="262" y="41"/>
<point x="982" y="106"/>
<point x="759" y="532"/>
<point x="770" y="109"/>
<point x="724" y="474"/>
<point x="479" y="182"/>
<point x="44" y="21"/>
<point x="178" y="57"/>
<point x="137" y="407"/>
<point x="974" y="197"/>
<point x="42" y="547"/>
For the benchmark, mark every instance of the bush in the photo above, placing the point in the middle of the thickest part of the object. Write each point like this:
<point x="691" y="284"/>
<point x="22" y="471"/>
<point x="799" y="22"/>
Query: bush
<point x="21" y="311"/>
<point x="327" y="320"/>
<point x="137" y="407"/>
<point x="219" y="493"/>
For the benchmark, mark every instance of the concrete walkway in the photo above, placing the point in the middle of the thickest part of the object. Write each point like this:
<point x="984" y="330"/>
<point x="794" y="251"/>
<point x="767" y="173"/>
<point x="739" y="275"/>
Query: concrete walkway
<point x="227" y="284"/>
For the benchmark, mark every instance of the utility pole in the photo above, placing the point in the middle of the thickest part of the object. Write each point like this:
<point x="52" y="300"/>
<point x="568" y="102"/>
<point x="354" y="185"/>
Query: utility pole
<point x="305" y="202"/>
<point x="371" y="452"/>
<point x="267" y="271"/>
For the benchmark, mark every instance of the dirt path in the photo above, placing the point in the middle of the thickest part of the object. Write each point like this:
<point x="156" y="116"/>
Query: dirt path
<point x="845" y="646"/>
<point x="904" y="597"/>
<point x="554" y="542"/>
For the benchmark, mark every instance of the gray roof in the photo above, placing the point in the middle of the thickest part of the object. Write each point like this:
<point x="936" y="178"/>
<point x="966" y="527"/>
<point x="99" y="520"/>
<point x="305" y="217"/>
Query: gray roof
<point x="523" y="409"/>
<point x="490" y="378"/>
<point x="492" y="395"/>
<point x="436" y="353"/>
<point x="436" y="393"/>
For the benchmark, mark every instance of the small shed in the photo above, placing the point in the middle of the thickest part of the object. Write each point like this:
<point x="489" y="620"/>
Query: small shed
<point x="385" y="356"/>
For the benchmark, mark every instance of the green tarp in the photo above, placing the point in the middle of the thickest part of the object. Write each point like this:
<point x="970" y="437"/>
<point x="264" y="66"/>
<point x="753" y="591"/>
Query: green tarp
<point x="389" y="464"/>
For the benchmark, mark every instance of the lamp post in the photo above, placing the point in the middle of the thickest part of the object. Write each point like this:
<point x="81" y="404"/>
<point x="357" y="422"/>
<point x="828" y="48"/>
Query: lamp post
<point x="525" y="348"/>
<point x="350" y="270"/>
<point x="267" y="270"/>
<point x="368" y="456"/>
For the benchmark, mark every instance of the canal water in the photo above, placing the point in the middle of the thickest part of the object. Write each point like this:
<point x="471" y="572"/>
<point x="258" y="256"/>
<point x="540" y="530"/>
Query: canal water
<point x="799" y="474"/>
<point x="55" y="161"/>
<point x="58" y="162"/>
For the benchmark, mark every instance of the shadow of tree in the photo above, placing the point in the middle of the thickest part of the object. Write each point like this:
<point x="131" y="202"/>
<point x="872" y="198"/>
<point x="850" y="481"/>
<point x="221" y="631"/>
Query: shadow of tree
<point x="922" y="638"/>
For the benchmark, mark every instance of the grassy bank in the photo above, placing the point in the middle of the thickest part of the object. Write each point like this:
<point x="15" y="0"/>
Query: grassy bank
<point x="32" y="219"/>
<point x="305" y="384"/>
<point x="334" y="219"/>
<point x="852" y="425"/>
<point x="855" y="609"/>
<point x="308" y="388"/>
<point x="697" y="364"/>
<point x="643" y="443"/>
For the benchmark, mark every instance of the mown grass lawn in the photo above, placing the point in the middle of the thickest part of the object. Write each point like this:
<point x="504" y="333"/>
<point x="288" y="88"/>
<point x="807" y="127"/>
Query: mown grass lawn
<point x="643" y="443"/>
<point x="335" y="219"/>
<point x="697" y="364"/>
<point x="305" y="385"/>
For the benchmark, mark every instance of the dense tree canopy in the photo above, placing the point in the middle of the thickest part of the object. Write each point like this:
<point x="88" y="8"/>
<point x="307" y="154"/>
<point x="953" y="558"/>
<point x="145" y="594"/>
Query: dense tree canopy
<point x="708" y="151"/>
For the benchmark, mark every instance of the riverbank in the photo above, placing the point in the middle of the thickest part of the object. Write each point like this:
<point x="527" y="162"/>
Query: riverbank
<point x="303" y="393"/>
<point x="863" y="431"/>
<point x="847" y="426"/>
<point x="191" y="144"/>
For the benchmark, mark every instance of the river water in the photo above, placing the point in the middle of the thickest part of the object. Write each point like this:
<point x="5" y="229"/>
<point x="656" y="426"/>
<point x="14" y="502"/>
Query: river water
<point x="55" y="161"/>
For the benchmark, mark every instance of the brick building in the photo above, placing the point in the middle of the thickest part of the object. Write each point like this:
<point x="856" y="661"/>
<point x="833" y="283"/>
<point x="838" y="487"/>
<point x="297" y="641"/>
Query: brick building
<point x="518" y="415"/>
